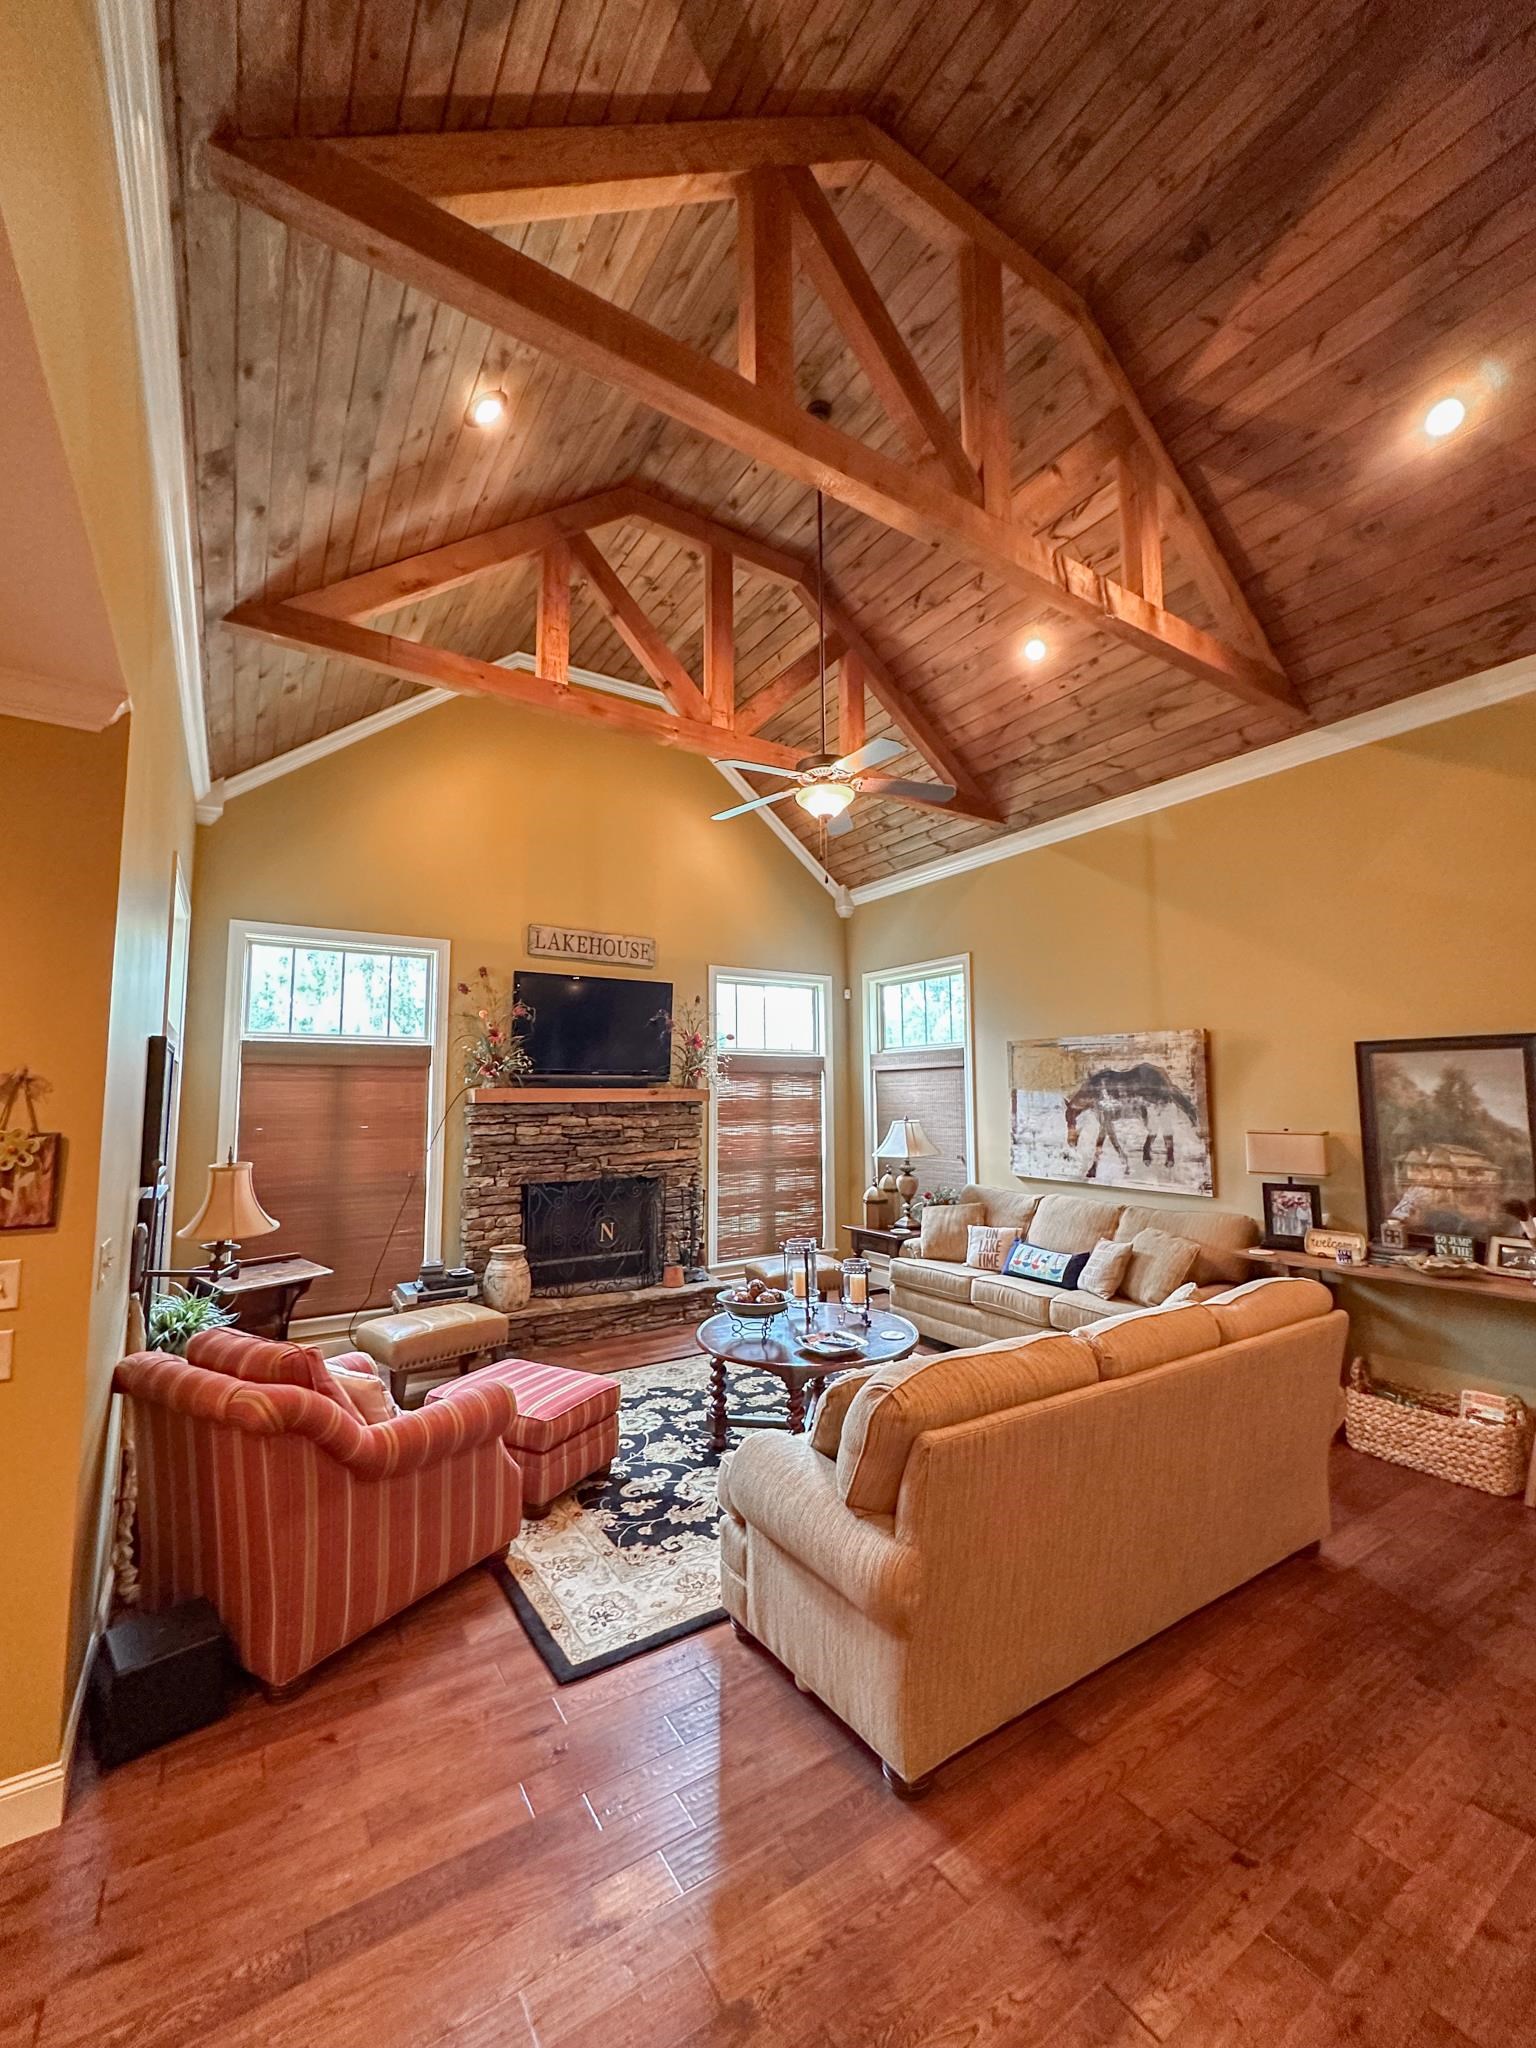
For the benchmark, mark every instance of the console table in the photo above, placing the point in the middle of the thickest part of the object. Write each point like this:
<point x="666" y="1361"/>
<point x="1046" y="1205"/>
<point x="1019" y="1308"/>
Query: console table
<point x="1488" y="1287"/>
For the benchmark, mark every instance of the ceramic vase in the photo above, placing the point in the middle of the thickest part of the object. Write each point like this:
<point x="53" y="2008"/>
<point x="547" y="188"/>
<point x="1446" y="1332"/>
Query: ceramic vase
<point x="507" y="1284"/>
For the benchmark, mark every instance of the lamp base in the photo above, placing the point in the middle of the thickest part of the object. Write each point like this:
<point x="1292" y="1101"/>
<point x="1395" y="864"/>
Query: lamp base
<point x="906" y="1187"/>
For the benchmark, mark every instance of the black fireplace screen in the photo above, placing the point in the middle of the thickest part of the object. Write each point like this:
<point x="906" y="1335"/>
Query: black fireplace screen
<point x="586" y="1235"/>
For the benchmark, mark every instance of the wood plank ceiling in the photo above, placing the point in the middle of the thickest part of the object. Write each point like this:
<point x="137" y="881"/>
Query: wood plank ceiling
<point x="1297" y="225"/>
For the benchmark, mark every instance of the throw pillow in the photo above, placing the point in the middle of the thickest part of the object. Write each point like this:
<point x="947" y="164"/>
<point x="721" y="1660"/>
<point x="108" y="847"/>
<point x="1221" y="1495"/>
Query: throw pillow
<point x="833" y="1406"/>
<point x="946" y="1229"/>
<point x="370" y="1397"/>
<point x="987" y="1245"/>
<point x="1159" y="1263"/>
<point x="1056" y="1269"/>
<point x="1108" y="1264"/>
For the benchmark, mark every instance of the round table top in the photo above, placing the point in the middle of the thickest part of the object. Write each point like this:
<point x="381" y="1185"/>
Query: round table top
<point x="776" y="1344"/>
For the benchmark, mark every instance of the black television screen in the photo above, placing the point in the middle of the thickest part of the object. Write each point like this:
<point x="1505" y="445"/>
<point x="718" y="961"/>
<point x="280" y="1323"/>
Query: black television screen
<point x="594" y="1027"/>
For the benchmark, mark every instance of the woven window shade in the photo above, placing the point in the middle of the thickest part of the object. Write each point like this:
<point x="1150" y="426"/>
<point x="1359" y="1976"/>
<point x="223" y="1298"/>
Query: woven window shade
<point x="768" y="1153"/>
<point x="926" y="1082"/>
<point x="337" y="1139"/>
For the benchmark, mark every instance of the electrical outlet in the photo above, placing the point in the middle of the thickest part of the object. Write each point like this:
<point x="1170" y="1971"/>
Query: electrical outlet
<point x="5" y="1353"/>
<point x="10" y="1283"/>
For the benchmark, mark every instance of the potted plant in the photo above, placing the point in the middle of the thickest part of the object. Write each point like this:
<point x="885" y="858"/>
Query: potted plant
<point x="177" y="1317"/>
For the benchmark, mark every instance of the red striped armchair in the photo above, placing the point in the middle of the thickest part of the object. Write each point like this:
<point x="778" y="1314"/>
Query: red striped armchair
<point x="261" y="1489"/>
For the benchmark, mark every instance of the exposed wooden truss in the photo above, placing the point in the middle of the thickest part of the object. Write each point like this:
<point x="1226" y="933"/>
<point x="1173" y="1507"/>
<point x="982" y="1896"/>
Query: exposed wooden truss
<point x="385" y="201"/>
<point x="330" y="622"/>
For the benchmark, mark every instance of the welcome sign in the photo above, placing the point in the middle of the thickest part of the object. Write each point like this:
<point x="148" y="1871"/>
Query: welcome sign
<point x="593" y="949"/>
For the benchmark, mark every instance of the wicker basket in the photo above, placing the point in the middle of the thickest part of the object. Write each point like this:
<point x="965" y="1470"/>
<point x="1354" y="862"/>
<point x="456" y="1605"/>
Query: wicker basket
<point x="1417" y="1427"/>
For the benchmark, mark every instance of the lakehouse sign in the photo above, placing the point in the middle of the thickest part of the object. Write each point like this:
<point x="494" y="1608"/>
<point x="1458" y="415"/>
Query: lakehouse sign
<point x="604" y="949"/>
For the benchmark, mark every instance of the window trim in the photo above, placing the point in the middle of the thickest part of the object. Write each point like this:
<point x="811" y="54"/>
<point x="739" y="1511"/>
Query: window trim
<point x="822" y="982"/>
<point x="243" y="932"/>
<point x="917" y="970"/>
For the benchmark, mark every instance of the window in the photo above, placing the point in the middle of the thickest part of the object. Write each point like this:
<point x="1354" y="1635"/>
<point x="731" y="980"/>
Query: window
<point x="771" y="1112"/>
<point x="333" y="1091"/>
<point x="920" y="1066"/>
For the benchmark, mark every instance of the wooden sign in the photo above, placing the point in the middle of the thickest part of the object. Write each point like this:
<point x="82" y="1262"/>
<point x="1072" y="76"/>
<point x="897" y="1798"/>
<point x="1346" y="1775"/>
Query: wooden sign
<point x="1348" y="1247"/>
<point x="591" y="949"/>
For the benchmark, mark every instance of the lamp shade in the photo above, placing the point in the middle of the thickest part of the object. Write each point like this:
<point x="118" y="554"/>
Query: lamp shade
<point x="906" y="1139"/>
<point x="230" y="1211"/>
<point x="1289" y="1152"/>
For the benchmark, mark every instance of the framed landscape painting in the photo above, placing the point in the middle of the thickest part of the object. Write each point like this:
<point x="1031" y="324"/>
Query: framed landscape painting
<point x="1129" y="1110"/>
<point x="1448" y="1132"/>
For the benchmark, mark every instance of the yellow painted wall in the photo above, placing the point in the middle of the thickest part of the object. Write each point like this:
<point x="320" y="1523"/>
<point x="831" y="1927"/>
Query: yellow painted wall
<point x="86" y="915"/>
<point x="1385" y="893"/>
<point x="467" y="824"/>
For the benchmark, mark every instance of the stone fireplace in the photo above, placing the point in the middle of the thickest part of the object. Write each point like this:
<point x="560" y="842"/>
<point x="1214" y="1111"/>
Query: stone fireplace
<point x="602" y="1185"/>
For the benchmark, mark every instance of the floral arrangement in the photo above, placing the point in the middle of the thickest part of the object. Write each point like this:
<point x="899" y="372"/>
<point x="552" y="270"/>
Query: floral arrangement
<point x="697" y="1059"/>
<point x="940" y="1198"/>
<point x="494" y="1053"/>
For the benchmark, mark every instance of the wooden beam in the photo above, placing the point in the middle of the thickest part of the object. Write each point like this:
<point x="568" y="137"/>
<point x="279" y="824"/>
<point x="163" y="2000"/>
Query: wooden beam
<point x="1141" y="538"/>
<point x="553" y="647"/>
<point x="765" y="290"/>
<point x="983" y="380"/>
<point x="496" y="177"/>
<point x="792" y="681"/>
<point x="851" y="724"/>
<point x="372" y="218"/>
<point x="1080" y="470"/>
<point x="719" y="636"/>
<point x="837" y="271"/>
<point x="439" y="668"/>
<point x="636" y="631"/>
<point x="777" y="564"/>
<point x="439" y="569"/>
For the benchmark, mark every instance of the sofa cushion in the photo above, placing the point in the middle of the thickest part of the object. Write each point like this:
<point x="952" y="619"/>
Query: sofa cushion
<point x="1220" y="1235"/>
<point x="1159" y="1263"/>
<point x="1267" y="1304"/>
<point x="988" y="1244"/>
<point x="832" y="1409"/>
<point x="1149" y="1337"/>
<point x="945" y="1227"/>
<point x="1078" y="1308"/>
<point x="1108" y="1264"/>
<point x="1008" y="1208"/>
<point x="940" y="1282"/>
<point x="1029" y="1300"/>
<point x="1072" y="1223"/>
<point x="898" y="1403"/>
<point x="1028" y="1261"/>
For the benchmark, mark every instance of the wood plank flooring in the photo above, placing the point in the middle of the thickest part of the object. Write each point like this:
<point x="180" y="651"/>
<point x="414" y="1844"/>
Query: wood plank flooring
<point x="1304" y="1817"/>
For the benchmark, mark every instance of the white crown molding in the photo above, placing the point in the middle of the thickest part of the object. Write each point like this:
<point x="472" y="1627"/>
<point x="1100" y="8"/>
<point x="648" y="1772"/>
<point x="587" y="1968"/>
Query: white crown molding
<point x="50" y="700"/>
<point x="1431" y="707"/>
<point x="130" y="59"/>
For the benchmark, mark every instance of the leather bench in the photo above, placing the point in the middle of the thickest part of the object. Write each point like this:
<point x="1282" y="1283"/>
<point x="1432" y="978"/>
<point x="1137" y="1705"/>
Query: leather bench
<point x="461" y="1334"/>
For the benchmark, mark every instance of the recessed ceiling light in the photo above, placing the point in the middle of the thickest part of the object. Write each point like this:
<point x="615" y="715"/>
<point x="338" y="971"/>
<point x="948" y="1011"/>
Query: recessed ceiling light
<point x="1444" y="417"/>
<point x="1034" y="649"/>
<point x="486" y="408"/>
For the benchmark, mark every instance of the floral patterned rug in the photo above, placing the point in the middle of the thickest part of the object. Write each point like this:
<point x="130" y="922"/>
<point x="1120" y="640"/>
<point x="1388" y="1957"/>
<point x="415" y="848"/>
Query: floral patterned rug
<point x="626" y="1564"/>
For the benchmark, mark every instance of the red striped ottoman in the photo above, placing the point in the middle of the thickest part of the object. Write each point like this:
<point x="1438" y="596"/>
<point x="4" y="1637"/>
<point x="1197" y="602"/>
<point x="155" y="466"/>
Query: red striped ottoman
<point x="567" y="1425"/>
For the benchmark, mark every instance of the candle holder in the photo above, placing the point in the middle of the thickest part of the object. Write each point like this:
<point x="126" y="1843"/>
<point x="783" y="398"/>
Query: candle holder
<point x="800" y="1277"/>
<point x="855" y="1288"/>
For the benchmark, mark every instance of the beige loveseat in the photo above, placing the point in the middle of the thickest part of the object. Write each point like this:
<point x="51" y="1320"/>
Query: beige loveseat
<point x="953" y="1303"/>
<point x="962" y="1535"/>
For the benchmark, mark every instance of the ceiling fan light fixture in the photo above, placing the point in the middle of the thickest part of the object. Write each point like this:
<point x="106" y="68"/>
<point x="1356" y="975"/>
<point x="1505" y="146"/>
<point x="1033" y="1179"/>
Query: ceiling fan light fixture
<point x="825" y="799"/>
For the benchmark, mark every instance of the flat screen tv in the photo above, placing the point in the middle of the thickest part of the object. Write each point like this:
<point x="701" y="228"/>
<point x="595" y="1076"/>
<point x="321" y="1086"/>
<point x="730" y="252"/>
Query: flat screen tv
<point x="594" y="1027"/>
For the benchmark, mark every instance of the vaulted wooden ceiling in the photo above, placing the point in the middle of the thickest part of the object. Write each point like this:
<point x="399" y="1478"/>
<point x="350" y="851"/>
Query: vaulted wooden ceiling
<point x="1296" y="226"/>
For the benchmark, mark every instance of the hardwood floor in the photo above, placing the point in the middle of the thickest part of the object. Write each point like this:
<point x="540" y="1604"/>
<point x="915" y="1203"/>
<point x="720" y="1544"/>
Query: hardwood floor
<point x="1305" y="1816"/>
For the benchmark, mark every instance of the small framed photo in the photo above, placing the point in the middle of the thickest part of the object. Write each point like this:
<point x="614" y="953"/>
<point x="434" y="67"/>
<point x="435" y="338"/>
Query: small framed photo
<point x="1291" y="1209"/>
<point x="1516" y="1255"/>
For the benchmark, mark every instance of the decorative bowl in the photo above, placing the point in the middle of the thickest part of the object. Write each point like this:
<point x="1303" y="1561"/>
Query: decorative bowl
<point x="747" y="1311"/>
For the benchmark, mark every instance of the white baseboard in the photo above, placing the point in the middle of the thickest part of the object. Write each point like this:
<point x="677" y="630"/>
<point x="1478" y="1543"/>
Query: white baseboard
<point x="34" y="1801"/>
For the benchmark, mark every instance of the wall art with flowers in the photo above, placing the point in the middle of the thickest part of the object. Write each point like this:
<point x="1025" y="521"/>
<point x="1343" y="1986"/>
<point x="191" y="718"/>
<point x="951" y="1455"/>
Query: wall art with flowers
<point x="30" y="1158"/>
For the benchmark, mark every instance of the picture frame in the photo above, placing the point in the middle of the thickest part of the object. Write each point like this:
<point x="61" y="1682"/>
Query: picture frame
<point x="1291" y="1209"/>
<point x="1513" y="1255"/>
<point x="1113" y="1110"/>
<point x="30" y="1179"/>
<point x="1448" y="1133"/>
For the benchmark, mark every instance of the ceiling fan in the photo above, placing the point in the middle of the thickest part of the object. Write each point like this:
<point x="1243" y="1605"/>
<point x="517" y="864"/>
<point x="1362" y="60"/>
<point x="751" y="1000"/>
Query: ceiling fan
<point x="826" y="784"/>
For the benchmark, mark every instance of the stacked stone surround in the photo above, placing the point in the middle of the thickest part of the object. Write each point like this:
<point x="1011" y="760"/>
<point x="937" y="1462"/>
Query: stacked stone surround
<point x="510" y="1143"/>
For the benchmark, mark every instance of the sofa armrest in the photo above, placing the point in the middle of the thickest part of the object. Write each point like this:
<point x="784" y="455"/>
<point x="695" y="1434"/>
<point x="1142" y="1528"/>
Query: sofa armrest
<point x="784" y="1487"/>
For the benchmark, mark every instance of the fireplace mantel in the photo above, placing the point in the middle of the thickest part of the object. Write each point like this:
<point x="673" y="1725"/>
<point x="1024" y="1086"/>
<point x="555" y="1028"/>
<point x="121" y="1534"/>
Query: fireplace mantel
<point x="480" y="1096"/>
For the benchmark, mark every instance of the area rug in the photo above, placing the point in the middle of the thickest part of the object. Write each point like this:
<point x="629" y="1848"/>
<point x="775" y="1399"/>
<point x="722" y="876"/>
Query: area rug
<point x="626" y="1564"/>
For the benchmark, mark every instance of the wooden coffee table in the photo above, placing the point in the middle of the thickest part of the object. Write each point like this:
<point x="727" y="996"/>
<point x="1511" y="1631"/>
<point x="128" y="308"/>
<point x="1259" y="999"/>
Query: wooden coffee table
<point x="775" y="1347"/>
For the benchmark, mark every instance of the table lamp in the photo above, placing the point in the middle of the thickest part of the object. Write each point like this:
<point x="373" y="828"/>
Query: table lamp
<point x="906" y="1140"/>
<point x="1272" y="1153"/>
<point x="230" y="1214"/>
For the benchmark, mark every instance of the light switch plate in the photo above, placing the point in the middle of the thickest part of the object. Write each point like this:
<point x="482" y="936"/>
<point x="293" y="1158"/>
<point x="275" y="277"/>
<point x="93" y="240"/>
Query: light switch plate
<point x="10" y="1283"/>
<point x="5" y="1353"/>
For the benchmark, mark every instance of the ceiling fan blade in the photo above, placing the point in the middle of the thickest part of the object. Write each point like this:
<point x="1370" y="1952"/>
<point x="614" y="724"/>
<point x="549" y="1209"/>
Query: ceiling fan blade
<point x="871" y="755"/>
<point x="897" y="785"/>
<point x="758" y="768"/>
<point x="758" y="803"/>
<point x="842" y="823"/>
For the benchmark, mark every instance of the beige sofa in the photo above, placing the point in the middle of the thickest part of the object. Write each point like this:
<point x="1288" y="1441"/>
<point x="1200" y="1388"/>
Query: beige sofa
<point x="962" y="1535"/>
<point x="953" y="1303"/>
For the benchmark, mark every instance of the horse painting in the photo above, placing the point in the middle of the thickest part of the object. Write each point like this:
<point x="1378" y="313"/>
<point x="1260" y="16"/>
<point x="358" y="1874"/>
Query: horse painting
<point x="1123" y="1111"/>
